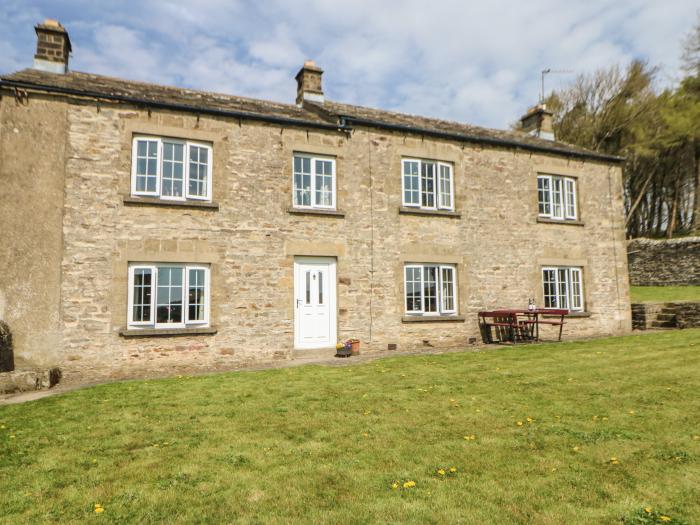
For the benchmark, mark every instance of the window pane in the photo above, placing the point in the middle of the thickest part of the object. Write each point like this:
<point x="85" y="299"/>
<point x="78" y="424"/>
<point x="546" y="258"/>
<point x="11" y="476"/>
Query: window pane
<point x="302" y="181"/>
<point x="576" y="290"/>
<point x="563" y="283"/>
<point x="543" y="195"/>
<point x="570" y="193"/>
<point x="447" y="283"/>
<point x="320" y="287"/>
<point x="323" y="182"/>
<point x="549" y="288"/>
<point x="146" y="165"/>
<point x="428" y="184"/>
<point x="445" y="187"/>
<point x="196" y="295"/>
<point x="199" y="171"/>
<point x="413" y="289"/>
<point x="308" y="288"/>
<point x="141" y="311"/>
<point x="430" y="289"/>
<point x="169" y="295"/>
<point x="411" y="183"/>
<point x="557" y="206"/>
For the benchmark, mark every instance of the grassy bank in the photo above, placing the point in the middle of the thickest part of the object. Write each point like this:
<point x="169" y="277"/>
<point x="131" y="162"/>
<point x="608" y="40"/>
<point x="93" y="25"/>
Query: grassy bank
<point x="581" y="432"/>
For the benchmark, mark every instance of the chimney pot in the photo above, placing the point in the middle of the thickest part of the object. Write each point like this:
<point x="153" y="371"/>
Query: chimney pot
<point x="309" y="85"/>
<point x="538" y="122"/>
<point x="53" y="47"/>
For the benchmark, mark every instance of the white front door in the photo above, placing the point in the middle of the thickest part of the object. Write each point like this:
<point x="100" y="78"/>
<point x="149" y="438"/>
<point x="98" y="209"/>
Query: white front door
<point x="314" y="302"/>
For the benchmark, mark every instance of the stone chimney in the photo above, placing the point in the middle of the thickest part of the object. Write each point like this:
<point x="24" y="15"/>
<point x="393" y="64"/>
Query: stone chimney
<point x="309" y="83"/>
<point x="538" y="122"/>
<point x="52" y="47"/>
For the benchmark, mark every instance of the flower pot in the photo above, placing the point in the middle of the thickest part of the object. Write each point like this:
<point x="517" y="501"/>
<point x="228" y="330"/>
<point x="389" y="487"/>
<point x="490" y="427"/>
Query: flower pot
<point x="355" y="346"/>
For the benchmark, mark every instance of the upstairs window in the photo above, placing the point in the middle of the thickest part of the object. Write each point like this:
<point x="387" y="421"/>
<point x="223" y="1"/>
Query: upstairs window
<point x="171" y="169"/>
<point x="168" y="295"/>
<point x="431" y="289"/>
<point x="557" y="197"/>
<point x="314" y="182"/>
<point x="563" y="288"/>
<point x="427" y="184"/>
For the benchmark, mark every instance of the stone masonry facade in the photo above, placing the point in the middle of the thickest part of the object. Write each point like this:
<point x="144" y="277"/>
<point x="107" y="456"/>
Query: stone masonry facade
<point x="664" y="262"/>
<point x="71" y="231"/>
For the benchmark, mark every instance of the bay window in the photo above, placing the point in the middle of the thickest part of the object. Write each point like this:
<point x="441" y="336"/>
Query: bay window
<point x="314" y="182"/>
<point x="168" y="295"/>
<point x="427" y="184"/>
<point x="171" y="169"/>
<point x="556" y="197"/>
<point x="563" y="288"/>
<point x="430" y="289"/>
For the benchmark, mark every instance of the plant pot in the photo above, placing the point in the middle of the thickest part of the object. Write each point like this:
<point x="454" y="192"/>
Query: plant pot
<point x="355" y="346"/>
<point x="343" y="352"/>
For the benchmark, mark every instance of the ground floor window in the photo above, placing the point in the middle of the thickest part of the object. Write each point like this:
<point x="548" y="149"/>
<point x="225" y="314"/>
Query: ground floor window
<point x="431" y="289"/>
<point x="168" y="295"/>
<point x="563" y="287"/>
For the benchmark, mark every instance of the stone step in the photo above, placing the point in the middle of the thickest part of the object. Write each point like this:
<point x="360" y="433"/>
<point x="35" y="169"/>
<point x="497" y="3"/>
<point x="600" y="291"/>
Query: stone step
<point x="666" y="317"/>
<point x="664" y="324"/>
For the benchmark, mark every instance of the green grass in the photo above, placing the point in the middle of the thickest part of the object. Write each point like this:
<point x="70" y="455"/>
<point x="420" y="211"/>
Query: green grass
<point x="317" y="444"/>
<point x="664" y="294"/>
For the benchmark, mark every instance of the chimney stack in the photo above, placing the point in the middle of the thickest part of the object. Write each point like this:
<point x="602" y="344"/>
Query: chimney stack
<point x="309" y="83"/>
<point x="52" y="47"/>
<point x="538" y="122"/>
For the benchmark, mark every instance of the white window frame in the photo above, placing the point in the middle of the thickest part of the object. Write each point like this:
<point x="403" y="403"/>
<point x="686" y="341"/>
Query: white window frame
<point x="312" y="159"/>
<point x="437" y="194"/>
<point x="567" y="207"/>
<point x="152" y="322"/>
<point x="567" y="286"/>
<point x="441" y="311"/>
<point x="187" y="144"/>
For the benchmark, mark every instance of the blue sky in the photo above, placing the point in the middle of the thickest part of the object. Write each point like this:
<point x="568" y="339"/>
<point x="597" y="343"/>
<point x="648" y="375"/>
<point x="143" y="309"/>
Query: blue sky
<point x="471" y="61"/>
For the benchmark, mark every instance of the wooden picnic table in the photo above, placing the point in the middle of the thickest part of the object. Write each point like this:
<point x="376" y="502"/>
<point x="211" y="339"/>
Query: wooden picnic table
<point x="516" y="324"/>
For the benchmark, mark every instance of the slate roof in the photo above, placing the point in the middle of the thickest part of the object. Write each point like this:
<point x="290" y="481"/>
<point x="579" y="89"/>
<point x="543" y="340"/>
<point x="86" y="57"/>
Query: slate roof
<point x="329" y="115"/>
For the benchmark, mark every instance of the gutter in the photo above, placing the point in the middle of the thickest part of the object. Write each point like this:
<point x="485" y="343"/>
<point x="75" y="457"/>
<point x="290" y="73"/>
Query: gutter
<point x="491" y="141"/>
<point x="173" y="106"/>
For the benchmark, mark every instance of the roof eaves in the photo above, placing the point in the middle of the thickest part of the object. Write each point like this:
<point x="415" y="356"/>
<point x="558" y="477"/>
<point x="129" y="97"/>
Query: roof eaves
<point x="4" y="82"/>
<point x="492" y="141"/>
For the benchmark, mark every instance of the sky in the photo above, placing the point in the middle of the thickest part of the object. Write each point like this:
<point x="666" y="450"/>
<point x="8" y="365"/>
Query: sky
<point x="470" y="61"/>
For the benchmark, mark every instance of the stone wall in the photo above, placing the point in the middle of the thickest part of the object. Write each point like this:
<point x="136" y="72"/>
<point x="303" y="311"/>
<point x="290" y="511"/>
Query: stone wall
<point x="251" y="241"/>
<point x="664" y="262"/>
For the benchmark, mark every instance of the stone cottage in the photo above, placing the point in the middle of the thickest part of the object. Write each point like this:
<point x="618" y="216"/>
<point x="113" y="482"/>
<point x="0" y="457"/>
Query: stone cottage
<point x="154" y="226"/>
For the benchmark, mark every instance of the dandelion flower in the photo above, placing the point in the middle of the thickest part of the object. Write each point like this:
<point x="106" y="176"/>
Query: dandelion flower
<point x="614" y="461"/>
<point x="647" y="510"/>
<point x="395" y="485"/>
<point x="409" y="484"/>
<point x="453" y="469"/>
<point x="665" y="518"/>
<point x="441" y="471"/>
<point x="575" y="449"/>
<point x="530" y="420"/>
<point x="632" y="412"/>
<point x="98" y="508"/>
<point x="519" y="423"/>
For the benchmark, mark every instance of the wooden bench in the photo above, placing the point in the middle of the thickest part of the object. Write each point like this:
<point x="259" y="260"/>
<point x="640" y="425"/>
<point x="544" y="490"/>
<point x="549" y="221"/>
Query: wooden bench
<point x="553" y="312"/>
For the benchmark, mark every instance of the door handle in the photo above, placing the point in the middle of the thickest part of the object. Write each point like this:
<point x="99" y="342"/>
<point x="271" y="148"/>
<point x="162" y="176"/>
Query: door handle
<point x="298" y="301"/>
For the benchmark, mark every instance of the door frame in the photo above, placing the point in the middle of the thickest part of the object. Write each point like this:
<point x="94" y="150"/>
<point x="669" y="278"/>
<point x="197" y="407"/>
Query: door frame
<point x="332" y="263"/>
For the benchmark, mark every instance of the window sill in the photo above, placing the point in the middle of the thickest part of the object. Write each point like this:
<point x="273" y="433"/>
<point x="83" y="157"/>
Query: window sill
<point x="432" y="319"/>
<point x="316" y="211"/>
<point x="569" y="315"/>
<point x="404" y="210"/>
<point x="155" y="201"/>
<point x="166" y="332"/>
<point x="566" y="222"/>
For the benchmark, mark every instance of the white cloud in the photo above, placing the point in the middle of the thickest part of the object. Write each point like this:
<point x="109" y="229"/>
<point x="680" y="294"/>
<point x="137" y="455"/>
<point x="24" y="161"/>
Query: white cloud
<point x="472" y="61"/>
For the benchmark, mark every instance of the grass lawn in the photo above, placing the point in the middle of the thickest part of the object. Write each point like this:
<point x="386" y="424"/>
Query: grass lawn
<point x="664" y="294"/>
<point x="531" y="431"/>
